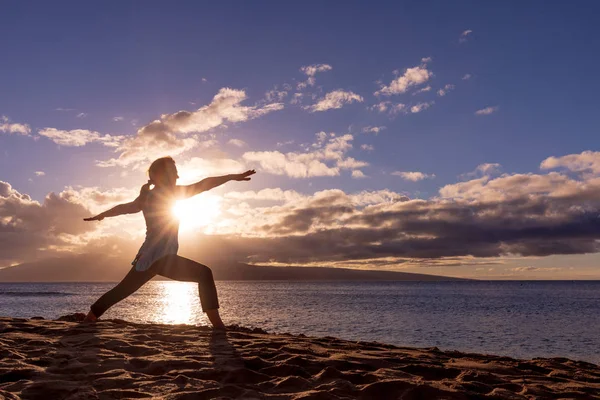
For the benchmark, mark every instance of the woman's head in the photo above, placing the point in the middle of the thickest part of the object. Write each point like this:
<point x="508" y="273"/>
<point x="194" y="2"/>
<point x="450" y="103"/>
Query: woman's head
<point x="163" y="172"/>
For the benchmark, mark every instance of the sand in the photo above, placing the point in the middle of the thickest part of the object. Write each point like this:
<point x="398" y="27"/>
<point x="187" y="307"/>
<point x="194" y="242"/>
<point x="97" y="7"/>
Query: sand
<point x="114" y="359"/>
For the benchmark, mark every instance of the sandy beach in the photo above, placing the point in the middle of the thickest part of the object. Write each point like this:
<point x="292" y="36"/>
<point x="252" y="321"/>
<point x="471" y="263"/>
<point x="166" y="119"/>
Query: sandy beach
<point x="115" y="359"/>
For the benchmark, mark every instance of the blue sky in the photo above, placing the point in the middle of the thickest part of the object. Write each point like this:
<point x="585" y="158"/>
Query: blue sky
<point x="88" y="71"/>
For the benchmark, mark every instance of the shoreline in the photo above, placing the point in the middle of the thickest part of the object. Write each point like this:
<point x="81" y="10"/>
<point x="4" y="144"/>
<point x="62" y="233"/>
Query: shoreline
<point x="62" y="359"/>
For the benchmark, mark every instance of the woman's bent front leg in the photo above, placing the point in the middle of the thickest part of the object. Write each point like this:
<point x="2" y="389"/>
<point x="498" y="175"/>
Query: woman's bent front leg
<point x="183" y="269"/>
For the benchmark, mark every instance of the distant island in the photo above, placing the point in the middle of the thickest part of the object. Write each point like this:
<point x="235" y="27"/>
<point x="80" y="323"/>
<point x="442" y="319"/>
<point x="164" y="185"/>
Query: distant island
<point x="88" y="268"/>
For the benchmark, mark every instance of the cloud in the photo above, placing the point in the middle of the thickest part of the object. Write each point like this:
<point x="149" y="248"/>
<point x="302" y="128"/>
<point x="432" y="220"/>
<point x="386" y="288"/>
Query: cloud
<point x="40" y="173"/>
<point x="473" y="222"/>
<point x="367" y="147"/>
<point x="164" y="136"/>
<point x="463" y="36"/>
<point x="423" y="90"/>
<point x="327" y="160"/>
<point x="276" y="95"/>
<point x="79" y="137"/>
<point x="413" y="176"/>
<point x="117" y="119"/>
<point x="412" y="77"/>
<point x="237" y="142"/>
<point x="81" y="115"/>
<point x="585" y="162"/>
<point x="487" y="111"/>
<point x="311" y="71"/>
<point x="444" y="91"/>
<point x="9" y="127"/>
<point x="358" y="174"/>
<point x="417" y="108"/>
<point x="426" y="59"/>
<point x="335" y="100"/>
<point x="389" y="107"/>
<point x="197" y="168"/>
<point x="28" y="228"/>
<point x="64" y="109"/>
<point x="466" y="77"/>
<point x="483" y="170"/>
<point x="373" y="129"/>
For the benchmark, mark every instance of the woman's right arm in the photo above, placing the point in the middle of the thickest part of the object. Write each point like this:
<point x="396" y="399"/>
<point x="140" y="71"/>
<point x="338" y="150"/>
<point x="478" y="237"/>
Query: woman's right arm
<point x="126" y="208"/>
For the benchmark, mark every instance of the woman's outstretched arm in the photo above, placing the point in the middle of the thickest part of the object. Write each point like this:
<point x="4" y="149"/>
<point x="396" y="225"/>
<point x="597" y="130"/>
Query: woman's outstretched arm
<point x="126" y="208"/>
<point x="210" y="183"/>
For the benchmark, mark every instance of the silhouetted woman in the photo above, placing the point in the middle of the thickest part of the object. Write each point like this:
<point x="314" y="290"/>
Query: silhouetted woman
<point x="158" y="254"/>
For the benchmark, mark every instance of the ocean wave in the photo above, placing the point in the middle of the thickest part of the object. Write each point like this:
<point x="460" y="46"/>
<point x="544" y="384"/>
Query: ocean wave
<point x="35" y="294"/>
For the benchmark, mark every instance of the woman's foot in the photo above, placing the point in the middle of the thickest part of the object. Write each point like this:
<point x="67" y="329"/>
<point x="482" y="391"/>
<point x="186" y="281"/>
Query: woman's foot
<point x="91" y="317"/>
<point x="215" y="319"/>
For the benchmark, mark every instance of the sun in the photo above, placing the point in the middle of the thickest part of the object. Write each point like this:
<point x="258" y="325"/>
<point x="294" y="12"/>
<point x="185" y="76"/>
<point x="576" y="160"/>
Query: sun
<point x="198" y="211"/>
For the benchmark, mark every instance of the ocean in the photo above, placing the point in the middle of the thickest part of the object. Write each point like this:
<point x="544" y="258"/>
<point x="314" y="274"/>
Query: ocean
<point x="523" y="319"/>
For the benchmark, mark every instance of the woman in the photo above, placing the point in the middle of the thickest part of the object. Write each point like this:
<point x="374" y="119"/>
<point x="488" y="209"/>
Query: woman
<point x="158" y="254"/>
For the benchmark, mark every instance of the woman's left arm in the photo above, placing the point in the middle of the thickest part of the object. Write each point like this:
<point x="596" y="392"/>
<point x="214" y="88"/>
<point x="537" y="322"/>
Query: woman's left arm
<point x="213" y="182"/>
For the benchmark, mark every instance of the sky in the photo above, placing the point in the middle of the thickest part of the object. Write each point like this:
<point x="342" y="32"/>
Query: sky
<point x="451" y="138"/>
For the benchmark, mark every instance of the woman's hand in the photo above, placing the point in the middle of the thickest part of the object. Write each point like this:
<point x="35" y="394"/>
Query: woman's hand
<point x="244" y="176"/>
<point x="98" y="217"/>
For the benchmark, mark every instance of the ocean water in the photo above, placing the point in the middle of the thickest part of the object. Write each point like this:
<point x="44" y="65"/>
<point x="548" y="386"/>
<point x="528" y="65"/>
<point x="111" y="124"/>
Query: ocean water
<point x="523" y="319"/>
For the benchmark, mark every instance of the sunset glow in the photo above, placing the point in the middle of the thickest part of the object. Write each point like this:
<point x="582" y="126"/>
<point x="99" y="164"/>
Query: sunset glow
<point x="414" y="142"/>
<point x="197" y="212"/>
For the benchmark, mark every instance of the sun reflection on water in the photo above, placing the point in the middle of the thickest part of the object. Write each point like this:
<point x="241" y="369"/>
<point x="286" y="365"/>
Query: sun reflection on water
<point x="178" y="303"/>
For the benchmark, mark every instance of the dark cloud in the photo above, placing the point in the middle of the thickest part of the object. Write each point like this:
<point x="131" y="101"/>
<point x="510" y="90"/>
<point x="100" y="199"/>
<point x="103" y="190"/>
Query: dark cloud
<point x="28" y="228"/>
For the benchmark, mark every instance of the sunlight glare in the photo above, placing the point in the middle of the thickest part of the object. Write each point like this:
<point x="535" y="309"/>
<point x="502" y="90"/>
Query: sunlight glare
<point x="198" y="211"/>
<point x="179" y="302"/>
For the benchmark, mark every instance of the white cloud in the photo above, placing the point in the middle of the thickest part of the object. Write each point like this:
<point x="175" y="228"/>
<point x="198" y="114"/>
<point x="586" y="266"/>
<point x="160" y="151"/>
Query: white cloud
<point x="286" y="143"/>
<point x="463" y="36"/>
<point x="373" y="129"/>
<point x="162" y="136"/>
<point x="197" y="168"/>
<point x="276" y="95"/>
<point x="335" y="100"/>
<point x="367" y="147"/>
<point x="488" y="168"/>
<point x="487" y="110"/>
<point x="79" y="137"/>
<point x="82" y="115"/>
<point x="327" y="160"/>
<point x="311" y="71"/>
<point x="412" y="77"/>
<point x="426" y="59"/>
<point x="204" y="80"/>
<point x="587" y="162"/>
<point x="423" y="90"/>
<point x="64" y="109"/>
<point x="417" y="108"/>
<point x="466" y="77"/>
<point x="8" y="127"/>
<point x="40" y="173"/>
<point x="358" y="174"/>
<point x="381" y="107"/>
<point x="117" y="119"/>
<point x="237" y="142"/>
<point x="444" y="91"/>
<point x="413" y="176"/>
<point x="296" y="98"/>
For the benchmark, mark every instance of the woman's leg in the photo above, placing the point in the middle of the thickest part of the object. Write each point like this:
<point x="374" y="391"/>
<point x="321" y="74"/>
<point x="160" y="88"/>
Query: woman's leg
<point x="183" y="269"/>
<point x="132" y="282"/>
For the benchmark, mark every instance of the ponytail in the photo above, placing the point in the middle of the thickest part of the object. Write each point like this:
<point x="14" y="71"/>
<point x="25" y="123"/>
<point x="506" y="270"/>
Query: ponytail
<point x="144" y="190"/>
